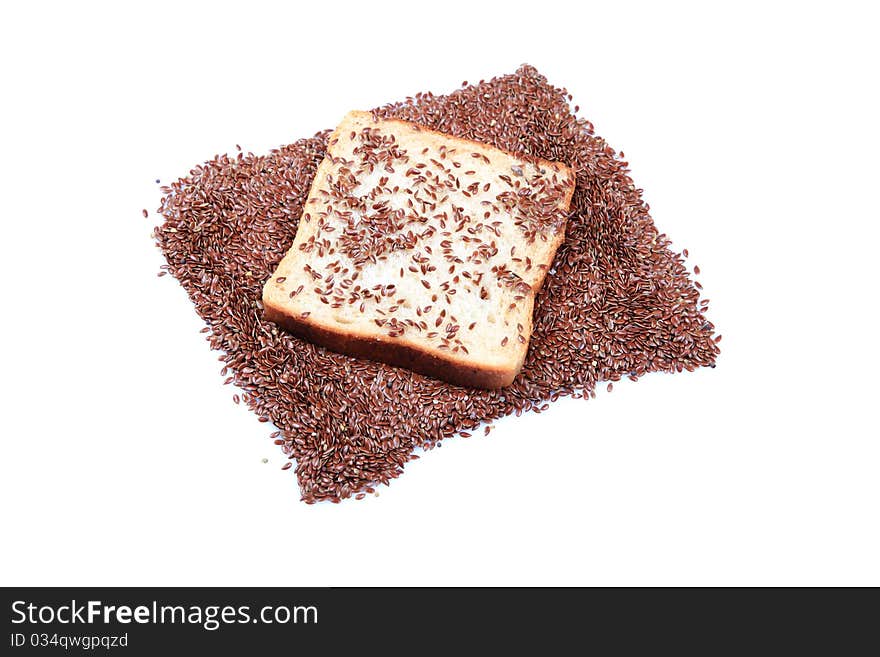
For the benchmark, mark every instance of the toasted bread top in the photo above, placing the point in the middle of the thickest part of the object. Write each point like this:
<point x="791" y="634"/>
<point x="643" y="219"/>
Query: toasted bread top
<point x="413" y="238"/>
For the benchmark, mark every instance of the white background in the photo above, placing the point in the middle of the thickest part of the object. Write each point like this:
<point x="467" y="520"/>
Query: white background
<point x="753" y="130"/>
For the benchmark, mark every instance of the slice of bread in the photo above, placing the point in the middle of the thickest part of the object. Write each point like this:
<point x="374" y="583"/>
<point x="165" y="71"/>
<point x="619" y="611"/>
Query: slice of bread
<point x="422" y="250"/>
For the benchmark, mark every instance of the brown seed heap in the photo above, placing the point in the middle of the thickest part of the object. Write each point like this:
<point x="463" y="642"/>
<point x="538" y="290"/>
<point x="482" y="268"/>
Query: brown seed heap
<point x="618" y="301"/>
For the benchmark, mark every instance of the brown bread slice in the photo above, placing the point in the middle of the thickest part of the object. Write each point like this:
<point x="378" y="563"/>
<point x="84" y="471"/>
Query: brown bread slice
<point x="422" y="250"/>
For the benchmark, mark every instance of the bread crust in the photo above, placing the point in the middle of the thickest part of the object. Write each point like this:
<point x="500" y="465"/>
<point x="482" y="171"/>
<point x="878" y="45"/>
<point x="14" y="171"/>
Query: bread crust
<point x="396" y="354"/>
<point x="558" y="166"/>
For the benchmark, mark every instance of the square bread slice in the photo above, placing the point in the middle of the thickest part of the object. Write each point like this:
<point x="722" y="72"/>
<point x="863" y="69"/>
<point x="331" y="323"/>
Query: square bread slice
<point x="422" y="251"/>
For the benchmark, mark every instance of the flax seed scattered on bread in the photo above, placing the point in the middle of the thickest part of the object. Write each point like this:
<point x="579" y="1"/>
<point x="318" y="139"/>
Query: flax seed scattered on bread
<point x="422" y="250"/>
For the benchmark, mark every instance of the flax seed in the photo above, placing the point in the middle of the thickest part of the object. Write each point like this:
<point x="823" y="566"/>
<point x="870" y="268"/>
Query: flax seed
<point x="350" y="424"/>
